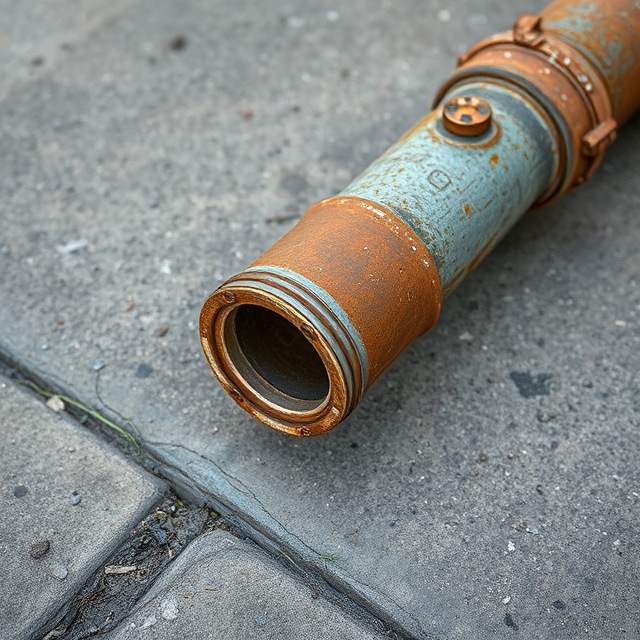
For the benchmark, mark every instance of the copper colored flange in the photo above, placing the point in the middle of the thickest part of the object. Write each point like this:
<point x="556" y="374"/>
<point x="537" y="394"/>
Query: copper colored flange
<point x="325" y="394"/>
<point x="568" y="90"/>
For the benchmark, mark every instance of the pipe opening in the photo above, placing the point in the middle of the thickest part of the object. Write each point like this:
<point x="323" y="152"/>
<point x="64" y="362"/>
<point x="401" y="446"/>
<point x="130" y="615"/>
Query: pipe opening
<point x="275" y="359"/>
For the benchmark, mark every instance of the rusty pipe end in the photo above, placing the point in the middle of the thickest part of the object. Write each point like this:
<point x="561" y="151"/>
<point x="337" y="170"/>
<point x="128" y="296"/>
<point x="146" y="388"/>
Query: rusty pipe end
<point x="280" y="353"/>
<point x="297" y="337"/>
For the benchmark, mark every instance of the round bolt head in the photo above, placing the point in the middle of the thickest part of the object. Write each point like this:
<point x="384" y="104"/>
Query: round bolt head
<point x="229" y="296"/>
<point x="466" y="116"/>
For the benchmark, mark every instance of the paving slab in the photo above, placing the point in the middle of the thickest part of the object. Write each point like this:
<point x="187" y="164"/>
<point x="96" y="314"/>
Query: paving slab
<point x="68" y="501"/>
<point x="488" y="483"/>
<point x="223" y="588"/>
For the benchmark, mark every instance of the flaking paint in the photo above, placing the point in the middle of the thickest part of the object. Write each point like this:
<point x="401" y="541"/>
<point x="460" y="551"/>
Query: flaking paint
<point x="614" y="28"/>
<point x="443" y="175"/>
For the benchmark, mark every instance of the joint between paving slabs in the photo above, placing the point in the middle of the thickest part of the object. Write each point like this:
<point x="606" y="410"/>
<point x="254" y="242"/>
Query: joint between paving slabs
<point x="338" y="590"/>
<point x="318" y="582"/>
<point x="86" y="415"/>
<point x="109" y="595"/>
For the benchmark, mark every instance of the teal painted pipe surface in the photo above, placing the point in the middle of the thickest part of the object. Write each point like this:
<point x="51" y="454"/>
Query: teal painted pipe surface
<point x="461" y="195"/>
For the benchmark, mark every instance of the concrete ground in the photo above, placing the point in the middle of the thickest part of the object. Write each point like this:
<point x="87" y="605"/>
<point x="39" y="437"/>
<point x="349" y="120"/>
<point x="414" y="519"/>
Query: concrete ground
<point x="488" y="484"/>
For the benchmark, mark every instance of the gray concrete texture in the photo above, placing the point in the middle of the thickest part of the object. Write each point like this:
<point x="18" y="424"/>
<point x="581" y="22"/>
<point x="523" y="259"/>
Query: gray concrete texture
<point x="224" y="589"/>
<point x="489" y="482"/>
<point x="67" y="502"/>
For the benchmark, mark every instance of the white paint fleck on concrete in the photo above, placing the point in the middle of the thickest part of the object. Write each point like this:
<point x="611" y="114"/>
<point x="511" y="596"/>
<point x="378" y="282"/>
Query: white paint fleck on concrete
<point x="169" y="609"/>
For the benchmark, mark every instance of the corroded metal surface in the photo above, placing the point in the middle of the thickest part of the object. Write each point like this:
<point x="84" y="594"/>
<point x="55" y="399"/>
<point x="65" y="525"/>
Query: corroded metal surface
<point x="607" y="34"/>
<point x="297" y="337"/>
<point x="354" y="281"/>
<point x="466" y="116"/>
<point x="462" y="195"/>
<point x="585" y="102"/>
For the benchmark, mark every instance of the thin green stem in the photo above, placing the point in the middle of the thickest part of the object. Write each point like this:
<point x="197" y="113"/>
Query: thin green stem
<point x="88" y="410"/>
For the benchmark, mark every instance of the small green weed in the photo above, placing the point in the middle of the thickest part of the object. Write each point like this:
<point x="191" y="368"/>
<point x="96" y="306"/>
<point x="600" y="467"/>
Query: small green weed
<point x="83" y="407"/>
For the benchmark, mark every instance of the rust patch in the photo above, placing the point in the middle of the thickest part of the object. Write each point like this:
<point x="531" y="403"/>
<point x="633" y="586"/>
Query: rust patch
<point x="493" y="160"/>
<point x="467" y="209"/>
<point x="589" y="71"/>
<point x="467" y="116"/>
<point x="434" y="135"/>
<point x="380" y="276"/>
<point x="608" y="30"/>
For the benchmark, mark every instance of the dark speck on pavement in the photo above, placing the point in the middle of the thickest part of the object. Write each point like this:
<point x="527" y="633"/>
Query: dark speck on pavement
<point x="510" y="622"/>
<point x="20" y="491"/>
<point x="144" y="370"/>
<point x="530" y="385"/>
<point x="39" y="549"/>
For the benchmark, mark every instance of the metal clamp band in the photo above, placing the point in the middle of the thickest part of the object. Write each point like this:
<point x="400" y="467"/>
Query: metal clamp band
<point x="527" y="32"/>
<point x="592" y="130"/>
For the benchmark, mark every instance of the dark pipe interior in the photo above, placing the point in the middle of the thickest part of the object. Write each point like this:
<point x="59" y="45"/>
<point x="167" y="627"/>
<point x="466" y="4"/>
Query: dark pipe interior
<point x="278" y="351"/>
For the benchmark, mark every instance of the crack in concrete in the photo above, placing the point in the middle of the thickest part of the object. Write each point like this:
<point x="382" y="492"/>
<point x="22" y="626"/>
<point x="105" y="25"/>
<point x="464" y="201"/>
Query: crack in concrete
<point x="269" y="533"/>
<point x="339" y="579"/>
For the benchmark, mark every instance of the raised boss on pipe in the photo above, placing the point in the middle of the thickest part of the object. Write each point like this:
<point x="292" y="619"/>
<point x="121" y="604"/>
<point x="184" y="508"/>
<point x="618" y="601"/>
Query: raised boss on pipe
<point x="299" y="335"/>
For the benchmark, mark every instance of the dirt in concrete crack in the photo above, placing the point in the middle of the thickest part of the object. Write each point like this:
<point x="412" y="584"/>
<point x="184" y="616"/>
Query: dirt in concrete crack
<point x="131" y="571"/>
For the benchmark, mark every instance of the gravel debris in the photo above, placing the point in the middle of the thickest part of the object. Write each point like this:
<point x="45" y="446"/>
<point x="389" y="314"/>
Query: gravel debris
<point x="143" y="370"/>
<point x="116" y="569"/>
<point x="178" y="43"/>
<point x="59" y="571"/>
<point x="73" y="246"/>
<point x="169" y="609"/>
<point x="20" y="491"/>
<point x="75" y="498"/>
<point x="39" y="549"/>
<point x="56" y="404"/>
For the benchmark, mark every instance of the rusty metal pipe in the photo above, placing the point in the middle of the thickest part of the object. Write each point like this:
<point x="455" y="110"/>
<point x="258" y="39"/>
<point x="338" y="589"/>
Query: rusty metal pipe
<point x="299" y="335"/>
